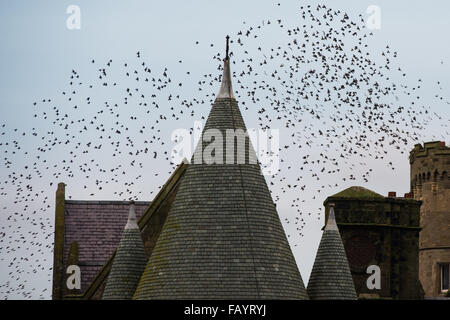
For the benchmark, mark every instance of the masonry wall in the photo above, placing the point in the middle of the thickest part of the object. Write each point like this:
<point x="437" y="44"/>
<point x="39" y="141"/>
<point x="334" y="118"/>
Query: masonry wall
<point x="430" y="182"/>
<point x="382" y="232"/>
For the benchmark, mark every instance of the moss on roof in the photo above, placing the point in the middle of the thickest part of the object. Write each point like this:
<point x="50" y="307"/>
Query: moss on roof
<point x="357" y="192"/>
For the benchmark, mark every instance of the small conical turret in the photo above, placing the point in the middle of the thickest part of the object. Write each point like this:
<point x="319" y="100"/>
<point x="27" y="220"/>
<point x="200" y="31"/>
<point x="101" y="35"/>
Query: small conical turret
<point x="331" y="223"/>
<point x="129" y="262"/>
<point x="131" y="223"/>
<point x="331" y="278"/>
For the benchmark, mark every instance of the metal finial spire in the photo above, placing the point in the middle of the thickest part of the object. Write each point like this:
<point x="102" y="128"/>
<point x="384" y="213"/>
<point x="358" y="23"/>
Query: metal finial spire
<point x="226" y="89"/>
<point x="227" y="47"/>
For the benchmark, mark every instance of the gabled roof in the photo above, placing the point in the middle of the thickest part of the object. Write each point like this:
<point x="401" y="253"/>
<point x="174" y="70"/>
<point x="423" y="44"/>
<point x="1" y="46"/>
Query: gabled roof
<point x="129" y="262"/>
<point x="222" y="238"/>
<point x="96" y="227"/>
<point x="150" y="226"/>
<point x="331" y="278"/>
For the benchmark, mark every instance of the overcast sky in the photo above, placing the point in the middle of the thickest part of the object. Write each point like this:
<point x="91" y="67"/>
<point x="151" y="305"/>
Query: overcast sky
<point x="38" y="53"/>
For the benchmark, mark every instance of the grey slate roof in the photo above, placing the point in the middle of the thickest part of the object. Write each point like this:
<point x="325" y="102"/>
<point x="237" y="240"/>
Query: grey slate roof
<point x="331" y="277"/>
<point x="222" y="238"/>
<point x="129" y="262"/>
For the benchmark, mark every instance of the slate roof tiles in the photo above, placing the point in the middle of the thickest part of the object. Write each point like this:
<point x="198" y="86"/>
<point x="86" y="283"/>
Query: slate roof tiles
<point x="331" y="277"/>
<point x="129" y="262"/>
<point x="223" y="238"/>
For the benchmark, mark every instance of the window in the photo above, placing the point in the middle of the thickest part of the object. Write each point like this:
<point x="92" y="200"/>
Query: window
<point x="444" y="277"/>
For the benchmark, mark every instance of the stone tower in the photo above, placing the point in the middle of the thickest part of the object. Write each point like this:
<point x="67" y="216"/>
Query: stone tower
<point x="222" y="238"/>
<point x="380" y="231"/>
<point x="430" y="165"/>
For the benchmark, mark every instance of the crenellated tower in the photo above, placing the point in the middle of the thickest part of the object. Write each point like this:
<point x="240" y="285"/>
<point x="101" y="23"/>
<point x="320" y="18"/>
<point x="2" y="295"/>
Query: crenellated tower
<point x="430" y="183"/>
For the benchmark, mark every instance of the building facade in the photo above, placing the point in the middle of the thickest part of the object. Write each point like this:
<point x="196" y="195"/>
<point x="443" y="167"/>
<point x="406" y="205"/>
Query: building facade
<point x="380" y="231"/>
<point x="430" y="183"/>
<point x="87" y="234"/>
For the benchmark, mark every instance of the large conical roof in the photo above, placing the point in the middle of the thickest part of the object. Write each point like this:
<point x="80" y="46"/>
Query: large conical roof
<point x="331" y="277"/>
<point x="129" y="262"/>
<point x="222" y="238"/>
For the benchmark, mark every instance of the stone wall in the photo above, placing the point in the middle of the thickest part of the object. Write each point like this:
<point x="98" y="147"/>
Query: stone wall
<point x="430" y="182"/>
<point x="384" y="232"/>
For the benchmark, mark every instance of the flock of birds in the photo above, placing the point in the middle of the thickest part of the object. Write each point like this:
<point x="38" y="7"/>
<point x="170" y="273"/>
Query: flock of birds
<point x="339" y="104"/>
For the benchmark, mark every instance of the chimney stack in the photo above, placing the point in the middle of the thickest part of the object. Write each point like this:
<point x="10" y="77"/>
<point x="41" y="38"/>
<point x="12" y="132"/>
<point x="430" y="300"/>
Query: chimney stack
<point x="392" y="194"/>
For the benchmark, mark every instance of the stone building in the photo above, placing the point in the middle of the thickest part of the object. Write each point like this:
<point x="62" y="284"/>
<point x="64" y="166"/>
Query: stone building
<point x="212" y="232"/>
<point x="88" y="233"/>
<point x="380" y="231"/>
<point x="430" y="183"/>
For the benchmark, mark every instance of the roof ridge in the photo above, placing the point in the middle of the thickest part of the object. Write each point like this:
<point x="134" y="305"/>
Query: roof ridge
<point x="105" y="202"/>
